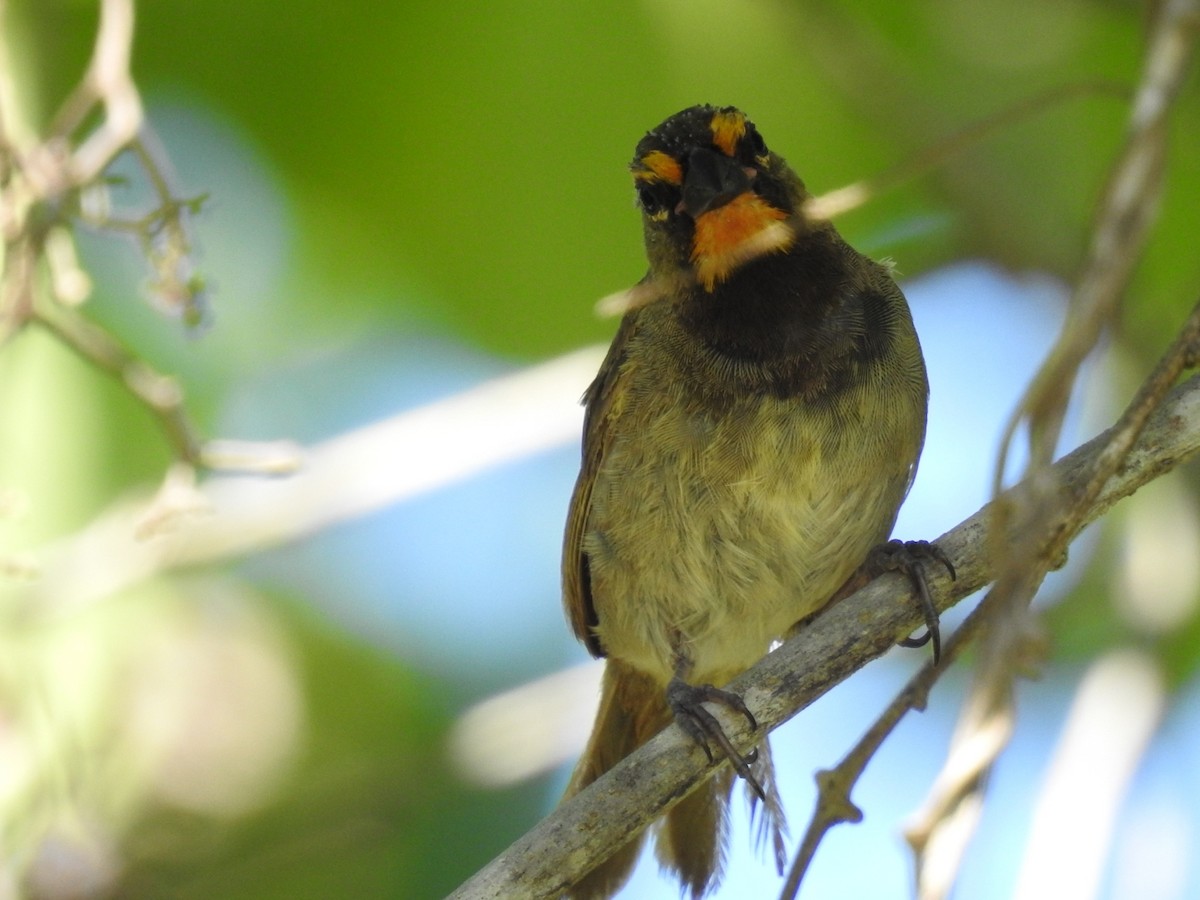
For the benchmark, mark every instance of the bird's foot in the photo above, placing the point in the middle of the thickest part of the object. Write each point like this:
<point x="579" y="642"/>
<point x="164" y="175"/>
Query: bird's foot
<point x="908" y="558"/>
<point x="687" y="704"/>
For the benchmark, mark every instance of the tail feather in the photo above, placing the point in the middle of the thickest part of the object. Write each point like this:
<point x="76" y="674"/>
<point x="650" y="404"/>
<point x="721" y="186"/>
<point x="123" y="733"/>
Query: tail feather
<point x="772" y="823"/>
<point x="691" y="840"/>
<point x="632" y="710"/>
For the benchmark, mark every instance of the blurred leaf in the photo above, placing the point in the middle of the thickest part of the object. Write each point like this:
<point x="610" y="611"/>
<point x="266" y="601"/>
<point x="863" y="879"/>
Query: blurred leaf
<point x="477" y="155"/>
<point x="371" y="809"/>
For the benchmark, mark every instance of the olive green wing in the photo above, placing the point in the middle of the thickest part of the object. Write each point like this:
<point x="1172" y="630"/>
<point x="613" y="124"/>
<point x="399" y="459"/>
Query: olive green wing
<point x="603" y="404"/>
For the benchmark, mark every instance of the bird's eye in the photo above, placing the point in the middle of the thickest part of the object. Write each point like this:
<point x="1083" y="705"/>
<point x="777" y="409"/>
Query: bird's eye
<point x="651" y="200"/>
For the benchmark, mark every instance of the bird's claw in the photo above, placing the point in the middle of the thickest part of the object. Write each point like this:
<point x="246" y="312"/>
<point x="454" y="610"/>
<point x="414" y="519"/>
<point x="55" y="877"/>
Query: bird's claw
<point x="906" y="558"/>
<point x="687" y="704"/>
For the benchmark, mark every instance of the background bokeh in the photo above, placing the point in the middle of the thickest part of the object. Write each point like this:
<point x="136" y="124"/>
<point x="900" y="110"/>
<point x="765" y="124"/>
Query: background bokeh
<point x="407" y="200"/>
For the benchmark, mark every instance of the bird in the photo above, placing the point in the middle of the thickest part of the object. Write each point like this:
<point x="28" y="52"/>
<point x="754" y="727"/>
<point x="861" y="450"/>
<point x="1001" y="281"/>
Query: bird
<point x="747" y="442"/>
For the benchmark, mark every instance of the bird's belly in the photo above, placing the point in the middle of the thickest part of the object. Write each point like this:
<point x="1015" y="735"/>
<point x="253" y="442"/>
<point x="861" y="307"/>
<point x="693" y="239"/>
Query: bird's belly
<point x="710" y="546"/>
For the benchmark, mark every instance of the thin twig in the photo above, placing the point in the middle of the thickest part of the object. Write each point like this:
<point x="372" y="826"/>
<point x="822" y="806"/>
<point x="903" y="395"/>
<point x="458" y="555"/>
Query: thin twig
<point x="109" y="81"/>
<point x="1115" y="712"/>
<point x="1179" y="358"/>
<point x="345" y="477"/>
<point x="836" y="202"/>
<point x="1123" y="220"/>
<point x="38" y="207"/>
<point x="160" y="394"/>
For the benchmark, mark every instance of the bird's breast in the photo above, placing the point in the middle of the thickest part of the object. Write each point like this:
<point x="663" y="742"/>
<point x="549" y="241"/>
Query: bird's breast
<point x="714" y="528"/>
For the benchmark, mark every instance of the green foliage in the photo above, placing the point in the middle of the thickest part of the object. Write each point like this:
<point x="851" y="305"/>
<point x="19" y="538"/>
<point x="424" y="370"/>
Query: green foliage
<point x="479" y="152"/>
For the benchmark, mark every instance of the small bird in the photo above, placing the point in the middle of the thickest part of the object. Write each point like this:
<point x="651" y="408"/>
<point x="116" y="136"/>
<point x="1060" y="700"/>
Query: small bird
<point x="748" y="440"/>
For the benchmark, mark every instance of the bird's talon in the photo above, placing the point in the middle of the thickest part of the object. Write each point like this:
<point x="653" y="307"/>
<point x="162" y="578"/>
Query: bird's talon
<point x="914" y="642"/>
<point x="906" y="558"/>
<point x="687" y="705"/>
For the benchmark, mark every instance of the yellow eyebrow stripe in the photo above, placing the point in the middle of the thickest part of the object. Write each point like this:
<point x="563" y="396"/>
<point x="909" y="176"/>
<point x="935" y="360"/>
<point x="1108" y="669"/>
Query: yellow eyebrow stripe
<point x="728" y="128"/>
<point x="660" y="167"/>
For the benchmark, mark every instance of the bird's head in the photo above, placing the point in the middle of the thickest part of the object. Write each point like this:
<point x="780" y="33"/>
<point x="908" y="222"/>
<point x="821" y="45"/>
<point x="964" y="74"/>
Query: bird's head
<point x="713" y="197"/>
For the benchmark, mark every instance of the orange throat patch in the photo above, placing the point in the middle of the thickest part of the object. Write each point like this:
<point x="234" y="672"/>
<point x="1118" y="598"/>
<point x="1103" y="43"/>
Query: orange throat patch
<point x="731" y="235"/>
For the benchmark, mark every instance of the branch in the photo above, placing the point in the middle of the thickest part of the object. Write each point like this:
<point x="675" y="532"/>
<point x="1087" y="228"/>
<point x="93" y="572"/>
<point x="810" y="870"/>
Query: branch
<point x="1117" y="709"/>
<point x="347" y="476"/>
<point x="594" y="824"/>
<point x="1127" y="209"/>
<point x="159" y="394"/>
<point x="108" y="81"/>
<point x="844" y="199"/>
<point x="45" y="187"/>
